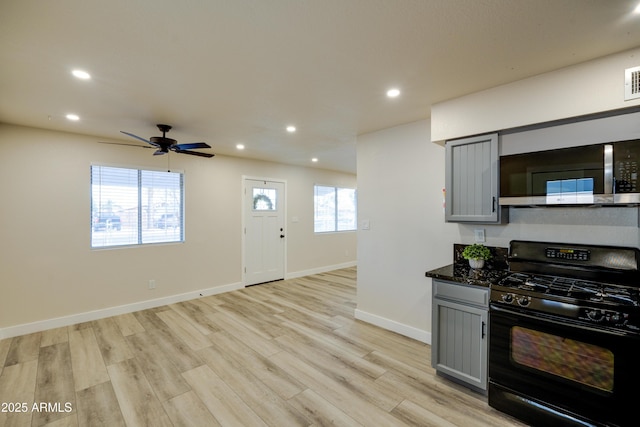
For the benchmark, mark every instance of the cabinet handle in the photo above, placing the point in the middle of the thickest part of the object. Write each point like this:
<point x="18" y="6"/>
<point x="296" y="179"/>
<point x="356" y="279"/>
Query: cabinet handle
<point x="493" y="204"/>
<point x="483" y="333"/>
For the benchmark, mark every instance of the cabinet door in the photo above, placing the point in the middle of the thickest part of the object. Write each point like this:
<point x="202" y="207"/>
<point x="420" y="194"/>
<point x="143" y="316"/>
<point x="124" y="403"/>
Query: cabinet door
<point x="472" y="180"/>
<point x="459" y="342"/>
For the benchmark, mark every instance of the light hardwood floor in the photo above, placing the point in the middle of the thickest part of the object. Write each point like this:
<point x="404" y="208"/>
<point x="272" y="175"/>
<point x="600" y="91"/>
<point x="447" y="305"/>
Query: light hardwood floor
<point x="287" y="353"/>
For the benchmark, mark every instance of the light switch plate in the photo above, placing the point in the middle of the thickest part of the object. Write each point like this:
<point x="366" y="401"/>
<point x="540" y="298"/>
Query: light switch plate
<point x="479" y="235"/>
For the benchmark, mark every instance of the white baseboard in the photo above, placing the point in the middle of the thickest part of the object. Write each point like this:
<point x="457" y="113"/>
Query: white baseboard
<point x="392" y="325"/>
<point x="296" y="274"/>
<point x="43" y="325"/>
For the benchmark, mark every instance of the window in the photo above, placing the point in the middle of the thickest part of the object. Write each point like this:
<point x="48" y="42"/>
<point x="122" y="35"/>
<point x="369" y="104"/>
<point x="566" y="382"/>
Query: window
<point x="334" y="209"/>
<point x="557" y="356"/>
<point x="135" y="207"/>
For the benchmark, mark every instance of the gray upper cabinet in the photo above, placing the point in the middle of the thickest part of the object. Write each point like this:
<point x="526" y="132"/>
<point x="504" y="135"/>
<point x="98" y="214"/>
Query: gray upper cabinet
<point x="472" y="182"/>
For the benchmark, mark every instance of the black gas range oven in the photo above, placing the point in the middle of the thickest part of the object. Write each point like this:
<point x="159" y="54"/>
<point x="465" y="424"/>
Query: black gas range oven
<point x="564" y="344"/>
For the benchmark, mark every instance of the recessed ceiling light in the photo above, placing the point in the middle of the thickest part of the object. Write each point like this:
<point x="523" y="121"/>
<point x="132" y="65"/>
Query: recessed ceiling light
<point x="240" y="146"/>
<point x="81" y="74"/>
<point x="392" y="93"/>
<point x="291" y="129"/>
<point x="637" y="9"/>
<point x="73" y="117"/>
<point x="314" y="160"/>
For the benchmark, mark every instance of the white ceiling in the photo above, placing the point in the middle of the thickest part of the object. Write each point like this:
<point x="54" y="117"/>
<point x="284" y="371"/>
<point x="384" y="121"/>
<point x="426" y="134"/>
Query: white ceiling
<point x="240" y="71"/>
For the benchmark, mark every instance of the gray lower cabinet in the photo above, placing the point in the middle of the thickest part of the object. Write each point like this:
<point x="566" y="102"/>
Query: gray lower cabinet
<point x="459" y="336"/>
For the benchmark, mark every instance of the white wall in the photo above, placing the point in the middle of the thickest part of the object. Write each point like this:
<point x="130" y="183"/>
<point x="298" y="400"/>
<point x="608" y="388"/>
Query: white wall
<point x="599" y="226"/>
<point x="49" y="276"/>
<point x="400" y="181"/>
<point x="582" y="89"/>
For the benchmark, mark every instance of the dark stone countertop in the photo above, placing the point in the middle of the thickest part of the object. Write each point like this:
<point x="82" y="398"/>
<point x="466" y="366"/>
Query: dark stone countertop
<point x="462" y="273"/>
<point x="492" y="272"/>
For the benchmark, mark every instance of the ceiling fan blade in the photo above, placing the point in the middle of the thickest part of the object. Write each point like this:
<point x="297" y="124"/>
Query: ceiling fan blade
<point x="192" y="146"/>
<point x="136" y="137"/>
<point x="194" y="153"/>
<point x="122" y="143"/>
<point x="140" y="138"/>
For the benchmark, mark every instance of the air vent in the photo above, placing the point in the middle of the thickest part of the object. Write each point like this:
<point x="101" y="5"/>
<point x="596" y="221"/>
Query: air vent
<point x="631" y="83"/>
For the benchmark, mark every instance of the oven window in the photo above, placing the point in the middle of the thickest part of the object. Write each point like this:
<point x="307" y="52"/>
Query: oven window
<point x="574" y="360"/>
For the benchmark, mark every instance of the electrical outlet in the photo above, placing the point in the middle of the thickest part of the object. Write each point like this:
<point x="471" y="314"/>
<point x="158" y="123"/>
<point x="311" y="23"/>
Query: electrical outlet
<point x="152" y="284"/>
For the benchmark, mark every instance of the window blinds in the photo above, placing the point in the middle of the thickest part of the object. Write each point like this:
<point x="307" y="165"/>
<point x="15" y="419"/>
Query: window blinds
<point x="135" y="207"/>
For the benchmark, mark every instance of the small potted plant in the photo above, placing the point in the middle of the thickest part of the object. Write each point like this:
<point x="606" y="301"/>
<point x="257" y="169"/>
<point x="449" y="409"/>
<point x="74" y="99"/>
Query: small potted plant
<point x="476" y="254"/>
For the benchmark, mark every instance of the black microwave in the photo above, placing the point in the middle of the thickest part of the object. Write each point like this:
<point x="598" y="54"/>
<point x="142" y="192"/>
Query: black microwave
<point x="591" y="174"/>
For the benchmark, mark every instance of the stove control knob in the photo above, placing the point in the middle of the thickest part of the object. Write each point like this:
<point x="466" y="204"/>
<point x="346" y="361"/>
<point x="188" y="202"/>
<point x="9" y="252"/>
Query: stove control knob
<point x="615" y="318"/>
<point x="508" y="298"/>
<point x="595" y="315"/>
<point x="523" y="300"/>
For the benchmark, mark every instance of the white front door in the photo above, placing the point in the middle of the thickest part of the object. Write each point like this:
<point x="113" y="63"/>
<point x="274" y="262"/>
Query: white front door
<point x="264" y="233"/>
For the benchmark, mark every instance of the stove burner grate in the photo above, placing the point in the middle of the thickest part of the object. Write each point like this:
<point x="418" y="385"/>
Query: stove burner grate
<point x="573" y="288"/>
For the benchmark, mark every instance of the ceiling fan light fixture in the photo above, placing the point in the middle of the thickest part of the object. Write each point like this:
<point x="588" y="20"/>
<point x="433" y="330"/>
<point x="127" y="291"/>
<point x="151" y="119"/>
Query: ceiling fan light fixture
<point x="163" y="144"/>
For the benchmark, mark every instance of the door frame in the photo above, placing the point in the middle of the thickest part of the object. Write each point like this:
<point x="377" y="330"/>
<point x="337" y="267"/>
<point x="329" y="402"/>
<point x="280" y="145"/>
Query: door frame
<point x="243" y="225"/>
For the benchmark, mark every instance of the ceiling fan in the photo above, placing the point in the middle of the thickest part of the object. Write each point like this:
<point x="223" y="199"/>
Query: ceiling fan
<point x="163" y="144"/>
